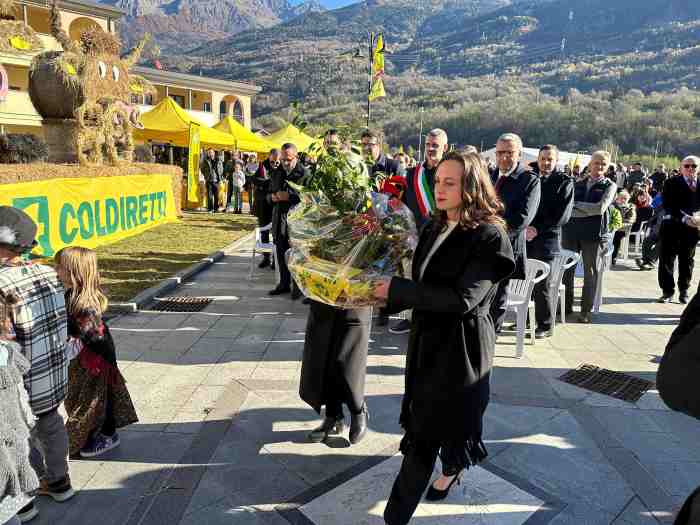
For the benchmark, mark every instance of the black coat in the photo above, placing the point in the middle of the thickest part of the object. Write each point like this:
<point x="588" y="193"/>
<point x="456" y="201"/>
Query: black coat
<point x="336" y="342"/>
<point x="452" y="341"/>
<point x="553" y="212"/>
<point x="213" y="170"/>
<point x="261" y="185"/>
<point x="678" y="201"/>
<point x="278" y="182"/>
<point x="520" y="194"/>
<point x="385" y="165"/>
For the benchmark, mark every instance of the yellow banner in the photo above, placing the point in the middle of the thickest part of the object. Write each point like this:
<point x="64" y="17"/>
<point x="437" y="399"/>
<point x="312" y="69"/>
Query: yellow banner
<point x="92" y="212"/>
<point x="377" y="89"/>
<point x="193" y="164"/>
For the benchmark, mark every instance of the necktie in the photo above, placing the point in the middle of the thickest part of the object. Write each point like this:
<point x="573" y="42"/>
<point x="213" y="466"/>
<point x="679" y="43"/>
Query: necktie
<point x="499" y="183"/>
<point x="692" y="183"/>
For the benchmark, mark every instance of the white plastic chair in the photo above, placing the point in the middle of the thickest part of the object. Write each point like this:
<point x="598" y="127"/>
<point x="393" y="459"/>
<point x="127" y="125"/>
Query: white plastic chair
<point x="262" y="247"/>
<point x="639" y="237"/>
<point x="519" y="300"/>
<point x="625" y="243"/>
<point x="557" y="291"/>
<point x="605" y="265"/>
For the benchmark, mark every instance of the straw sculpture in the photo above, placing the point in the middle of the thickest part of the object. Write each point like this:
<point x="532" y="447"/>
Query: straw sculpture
<point x="15" y="35"/>
<point x="88" y="86"/>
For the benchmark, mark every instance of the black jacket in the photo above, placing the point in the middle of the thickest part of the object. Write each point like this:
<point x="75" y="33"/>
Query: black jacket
<point x="411" y="199"/>
<point x="553" y="212"/>
<point x="678" y="199"/>
<point x="452" y="341"/>
<point x="213" y="170"/>
<point x="261" y="185"/>
<point x="278" y="182"/>
<point x="385" y="165"/>
<point x="520" y="194"/>
<point x="589" y="221"/>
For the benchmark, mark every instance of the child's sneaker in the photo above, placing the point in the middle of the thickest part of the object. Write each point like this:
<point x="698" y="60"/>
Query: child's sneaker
<point x="28" y="512"/>
<point x="60" y="490"/>
<point x="99" y="445"/>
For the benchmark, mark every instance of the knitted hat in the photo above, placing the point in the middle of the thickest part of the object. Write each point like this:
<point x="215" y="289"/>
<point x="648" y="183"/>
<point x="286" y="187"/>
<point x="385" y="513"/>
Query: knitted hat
<point x="17" y="229"/>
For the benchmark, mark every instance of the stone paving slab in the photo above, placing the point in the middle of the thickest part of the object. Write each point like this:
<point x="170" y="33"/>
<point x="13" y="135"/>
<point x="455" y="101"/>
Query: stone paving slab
<point x="222" y="431"/>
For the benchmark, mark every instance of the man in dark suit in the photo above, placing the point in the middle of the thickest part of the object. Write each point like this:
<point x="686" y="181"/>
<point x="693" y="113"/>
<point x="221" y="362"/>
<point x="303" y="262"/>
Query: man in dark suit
<point x="519" y="189"/>
<point x="283" y="198"/>
<point x="587" y="231"/>
<point x="679" y="230"/>
<point x="544" y="234"/>
<point x="372" y="147"/>
<point x="418" y="196"/>
<point x="213" y="171"/>
<point x="263" y="207"/>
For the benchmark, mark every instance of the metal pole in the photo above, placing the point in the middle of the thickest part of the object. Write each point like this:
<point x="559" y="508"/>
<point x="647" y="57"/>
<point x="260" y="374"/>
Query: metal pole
<point x="369" y="75"/>
<point x="420" y="138"/>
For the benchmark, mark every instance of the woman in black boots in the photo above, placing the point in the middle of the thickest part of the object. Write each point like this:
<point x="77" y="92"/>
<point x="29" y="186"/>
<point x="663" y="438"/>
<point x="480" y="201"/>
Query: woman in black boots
<point x="462" y="255"/>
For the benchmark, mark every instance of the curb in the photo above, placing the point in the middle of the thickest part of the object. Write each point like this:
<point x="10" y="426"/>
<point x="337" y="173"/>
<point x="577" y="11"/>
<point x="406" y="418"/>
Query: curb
<point x="147" y="296"/>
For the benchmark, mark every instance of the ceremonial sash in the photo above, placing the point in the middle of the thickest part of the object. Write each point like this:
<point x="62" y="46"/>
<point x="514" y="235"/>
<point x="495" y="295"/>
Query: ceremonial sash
<point x="423" y="191"/>
<point x="263" y="171"/>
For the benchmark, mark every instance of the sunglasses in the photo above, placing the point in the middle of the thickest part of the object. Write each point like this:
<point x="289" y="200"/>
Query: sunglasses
<point x="693" y="166"/>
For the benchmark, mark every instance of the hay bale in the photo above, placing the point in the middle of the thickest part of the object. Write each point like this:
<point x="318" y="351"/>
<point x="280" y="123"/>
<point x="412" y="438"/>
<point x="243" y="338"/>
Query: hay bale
<point x="144" y="153"/>
<point x="7" y="10"/>
<point x="94" y="41"/>
<point x="62" y="139"/>
<point x="24" y="38"/>
<point x="53" y="88"/>
<point x="22" y="148"/>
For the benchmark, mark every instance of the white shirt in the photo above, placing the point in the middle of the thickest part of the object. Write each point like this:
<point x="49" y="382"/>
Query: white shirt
<point x="440" y="239"/>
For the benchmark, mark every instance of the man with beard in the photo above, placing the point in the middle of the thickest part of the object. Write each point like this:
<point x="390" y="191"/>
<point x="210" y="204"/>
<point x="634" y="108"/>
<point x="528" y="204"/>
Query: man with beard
<point x="419" y="197"/>
<point x="544" y="234"/>
<point x="372" y="148"/>
<point x="283" y="198"/>
<point x="263" y="206"/>
<point x="519" y="190"/>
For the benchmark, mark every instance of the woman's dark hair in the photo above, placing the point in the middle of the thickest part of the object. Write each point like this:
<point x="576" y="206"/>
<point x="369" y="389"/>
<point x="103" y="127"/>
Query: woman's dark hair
<point x="480" y="203"/>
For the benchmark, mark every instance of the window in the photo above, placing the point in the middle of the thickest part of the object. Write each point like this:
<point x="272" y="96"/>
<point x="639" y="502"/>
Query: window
<point x="135" y="99"/>
<point x="148" y="99"/>
<point x="238" y="112"/>
<point x="222" y="110"/>
<point x="179" y="99"/>
<point x="206" y="106"/>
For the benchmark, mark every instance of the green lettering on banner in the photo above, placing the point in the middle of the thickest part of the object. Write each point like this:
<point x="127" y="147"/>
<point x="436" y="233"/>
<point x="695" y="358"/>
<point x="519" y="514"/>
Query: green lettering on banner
<point x="153" y="197"/>
<point x="122" y="214"/>
<point x="87" y="225"/>
<point x="112" y="213"/>
<point x="42" y="218"/>
<point x="101" y="231"/>
<point x="165" y="202"/>
<point x="67" y="237"/>
<point x="132" y="205"/>
<point x="143" y="199"/>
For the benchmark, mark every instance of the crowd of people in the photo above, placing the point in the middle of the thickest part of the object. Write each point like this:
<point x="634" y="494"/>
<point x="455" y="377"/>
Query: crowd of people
<point x="479" y="225"/>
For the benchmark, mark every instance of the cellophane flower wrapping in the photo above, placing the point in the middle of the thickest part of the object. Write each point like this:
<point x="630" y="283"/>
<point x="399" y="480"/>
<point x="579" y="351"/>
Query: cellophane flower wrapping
<point x="342" y="245"/>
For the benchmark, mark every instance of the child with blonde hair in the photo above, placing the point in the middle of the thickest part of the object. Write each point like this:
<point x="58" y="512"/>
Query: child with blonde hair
<point x="97" y="402"/>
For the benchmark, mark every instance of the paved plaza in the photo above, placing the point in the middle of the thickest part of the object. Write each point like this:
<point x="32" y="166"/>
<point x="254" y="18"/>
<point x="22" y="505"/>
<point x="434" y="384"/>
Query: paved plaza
<point x="222" y="431"/>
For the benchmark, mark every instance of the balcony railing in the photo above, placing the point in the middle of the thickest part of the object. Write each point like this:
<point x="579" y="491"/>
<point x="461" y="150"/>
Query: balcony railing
<point x="18" y="109"/>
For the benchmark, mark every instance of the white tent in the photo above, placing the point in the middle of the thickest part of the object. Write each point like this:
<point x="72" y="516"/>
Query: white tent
<point x="531" y="154"/>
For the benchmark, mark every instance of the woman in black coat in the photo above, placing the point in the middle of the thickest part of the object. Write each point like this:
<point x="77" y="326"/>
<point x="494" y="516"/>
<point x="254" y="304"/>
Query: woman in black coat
<point x="462" y="255"/>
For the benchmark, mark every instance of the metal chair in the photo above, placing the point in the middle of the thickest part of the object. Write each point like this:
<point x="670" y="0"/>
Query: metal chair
<point x="262" y="247"/>
<point x="519" y="300"/>
<point x="639" y="237"/>
<point x="557" y="291"/>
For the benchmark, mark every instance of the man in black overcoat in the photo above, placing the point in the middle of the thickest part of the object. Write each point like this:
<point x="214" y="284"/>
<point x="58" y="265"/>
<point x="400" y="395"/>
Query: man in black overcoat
<point x="263" y="205"/>
<point x="544" y="234"/>
<point x="372" y="147"/>
<point x="283" y="198"/>
<point x="679" y="230"/>
<point x="519" y="189"/>
<point x="213" y="171"/>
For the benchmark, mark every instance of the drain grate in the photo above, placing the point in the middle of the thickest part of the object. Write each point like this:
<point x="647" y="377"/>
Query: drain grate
<point x="613" y="384"/>
<point x="181" y="304"/>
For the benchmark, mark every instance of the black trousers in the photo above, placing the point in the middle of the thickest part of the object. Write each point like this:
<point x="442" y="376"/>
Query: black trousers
<point x="678" y="241"/>
<point x="281" y="247"/>
<point x="498" y="307"/>
<point x="650" y="249"/>
<point x="212" y="196"/>
<point x="617" y="241"/>
<point x="412" y="480"/>
<point x="540" y="294"/>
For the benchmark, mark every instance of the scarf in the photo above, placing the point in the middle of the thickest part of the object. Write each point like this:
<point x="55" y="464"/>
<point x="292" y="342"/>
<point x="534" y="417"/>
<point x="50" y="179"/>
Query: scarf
<point x="423" y="191"/>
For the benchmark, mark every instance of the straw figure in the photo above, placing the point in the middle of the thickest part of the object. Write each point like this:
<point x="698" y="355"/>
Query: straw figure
<point x="15" y="35"/>
<point x="88" y="87"/>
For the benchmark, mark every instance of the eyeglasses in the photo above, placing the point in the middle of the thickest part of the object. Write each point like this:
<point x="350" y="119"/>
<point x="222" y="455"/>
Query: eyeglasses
<point x="693" y="166"/>
<point x="505" y="153"/>
<point x="369" y="144"/>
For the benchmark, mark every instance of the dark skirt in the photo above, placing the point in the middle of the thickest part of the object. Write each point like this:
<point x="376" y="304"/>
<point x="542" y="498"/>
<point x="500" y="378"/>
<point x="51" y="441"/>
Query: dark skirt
<point x="87" y="397"/>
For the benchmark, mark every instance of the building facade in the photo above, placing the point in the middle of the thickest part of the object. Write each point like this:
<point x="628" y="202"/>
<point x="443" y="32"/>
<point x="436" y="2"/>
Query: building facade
<point x="206" y="99"/>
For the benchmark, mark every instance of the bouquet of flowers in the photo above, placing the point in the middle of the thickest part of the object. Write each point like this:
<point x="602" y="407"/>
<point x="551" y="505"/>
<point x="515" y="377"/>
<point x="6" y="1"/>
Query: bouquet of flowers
<point x="345" y="236"/>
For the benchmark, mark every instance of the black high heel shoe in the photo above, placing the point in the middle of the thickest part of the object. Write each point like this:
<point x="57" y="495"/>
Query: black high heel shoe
<point x="434" y="494"/>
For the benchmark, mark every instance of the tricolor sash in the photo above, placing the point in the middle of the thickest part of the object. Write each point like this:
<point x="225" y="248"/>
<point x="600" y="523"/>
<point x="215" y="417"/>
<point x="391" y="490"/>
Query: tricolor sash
<point x="423" y="191"/>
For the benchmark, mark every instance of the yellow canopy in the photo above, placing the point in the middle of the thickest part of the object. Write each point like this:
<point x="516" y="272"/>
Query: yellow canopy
<point x="168" y="122"/>
<point x="297" y="137"/>
<point x="246" y="140"/>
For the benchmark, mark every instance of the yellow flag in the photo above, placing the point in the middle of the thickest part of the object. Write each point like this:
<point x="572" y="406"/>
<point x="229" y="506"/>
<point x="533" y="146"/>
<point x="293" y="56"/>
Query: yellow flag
<point x="193" y="164"/>
<point x="377" y="89"/>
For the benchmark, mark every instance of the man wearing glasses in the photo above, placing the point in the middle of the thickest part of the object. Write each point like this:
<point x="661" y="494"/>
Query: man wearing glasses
<point x="372" y="148"/>
<point x="519" y="190"/>
<point x="679" y="230"/>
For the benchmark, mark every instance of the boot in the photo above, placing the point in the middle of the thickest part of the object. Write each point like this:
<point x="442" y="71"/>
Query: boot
<point x="330" y="426"/>
<point x="358" y="425"/>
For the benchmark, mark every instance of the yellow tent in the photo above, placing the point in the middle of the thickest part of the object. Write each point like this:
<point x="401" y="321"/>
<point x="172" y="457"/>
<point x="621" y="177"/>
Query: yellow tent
<point x="292" y="134"/>
<point x="168" y="122"/>
<point x="246" y="140"/>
